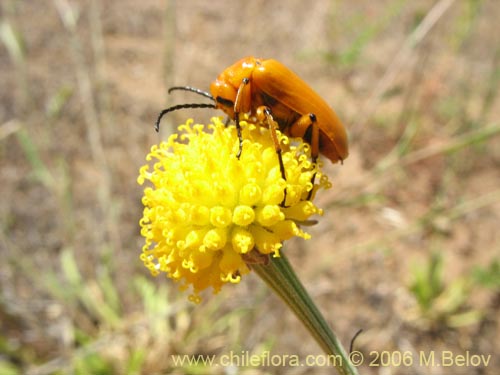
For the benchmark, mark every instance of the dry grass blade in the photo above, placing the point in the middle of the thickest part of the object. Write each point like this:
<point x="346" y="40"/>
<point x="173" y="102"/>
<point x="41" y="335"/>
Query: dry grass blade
<point x="399" y="61"/>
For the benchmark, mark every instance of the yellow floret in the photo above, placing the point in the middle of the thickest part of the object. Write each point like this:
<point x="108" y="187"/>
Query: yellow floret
<point x="206" y="208"/>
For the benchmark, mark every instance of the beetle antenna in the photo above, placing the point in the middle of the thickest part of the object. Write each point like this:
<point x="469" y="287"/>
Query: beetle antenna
<point x="180" y="106"/>
<point x="192" y="89"/>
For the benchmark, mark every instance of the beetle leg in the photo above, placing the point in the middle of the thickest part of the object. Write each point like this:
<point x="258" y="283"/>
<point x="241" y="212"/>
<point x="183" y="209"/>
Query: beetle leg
<point x="299" y="129"/>
<point x="263" y="114"/>
<point x="241" y="104"/>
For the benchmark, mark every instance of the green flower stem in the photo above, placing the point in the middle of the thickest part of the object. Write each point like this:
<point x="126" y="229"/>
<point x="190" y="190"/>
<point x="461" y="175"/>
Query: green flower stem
<point x="279" y="275"/>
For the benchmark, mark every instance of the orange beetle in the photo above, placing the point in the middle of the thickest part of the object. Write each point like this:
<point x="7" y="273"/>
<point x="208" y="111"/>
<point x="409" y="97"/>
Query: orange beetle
<point x="270" y="91"/>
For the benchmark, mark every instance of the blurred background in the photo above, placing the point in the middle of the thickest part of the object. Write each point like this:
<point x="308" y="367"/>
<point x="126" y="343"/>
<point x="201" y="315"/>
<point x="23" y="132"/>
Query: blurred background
<point x="408" y="249"/>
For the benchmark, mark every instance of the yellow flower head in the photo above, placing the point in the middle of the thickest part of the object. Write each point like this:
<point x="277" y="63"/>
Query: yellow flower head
<point x="208" y="213"/>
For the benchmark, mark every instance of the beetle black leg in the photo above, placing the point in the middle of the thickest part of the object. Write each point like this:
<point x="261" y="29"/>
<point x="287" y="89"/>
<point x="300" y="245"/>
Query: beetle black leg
<point x="272" y="128"/>
<point x="314" y="148"/>
<point x="238" y="130"/>
<point x="306" y="127"/>
<point x="264" y="114"/>
<point x="314" y="160"/>
<point x="241" y="96"/>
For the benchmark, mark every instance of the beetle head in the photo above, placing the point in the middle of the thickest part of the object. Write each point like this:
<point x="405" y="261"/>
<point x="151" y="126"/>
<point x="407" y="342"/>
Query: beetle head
<point x="225" y="95"/>
<point x="225" y="88"/>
